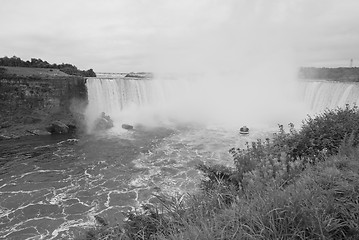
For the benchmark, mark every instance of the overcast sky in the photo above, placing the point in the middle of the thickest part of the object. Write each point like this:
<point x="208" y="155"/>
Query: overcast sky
<point x="145" y="35"/>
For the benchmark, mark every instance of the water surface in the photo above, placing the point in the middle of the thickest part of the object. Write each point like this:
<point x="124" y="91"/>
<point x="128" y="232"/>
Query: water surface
<point x="52" y="187"/>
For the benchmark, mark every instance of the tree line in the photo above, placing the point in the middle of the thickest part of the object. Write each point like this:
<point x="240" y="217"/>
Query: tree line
<point x="39" y="63"/>
<point x="336" y="74"/>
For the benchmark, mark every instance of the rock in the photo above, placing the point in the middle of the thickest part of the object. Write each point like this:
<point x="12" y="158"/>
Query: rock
<point x="4" y="137"/>
<point x="127" y="126"/>
<point x="139" y="75"/>
<point x="101" y="220"/>
<point x="38" y="132"/>
<point x="31" y="120"/>
<point x="8" y="136"/>
<point x="72" y="127"/>
<point x="104" y="122"/>
<point x="5" y="125"/>
<point x="33" y="101"/>
<point x="58" y="127"/>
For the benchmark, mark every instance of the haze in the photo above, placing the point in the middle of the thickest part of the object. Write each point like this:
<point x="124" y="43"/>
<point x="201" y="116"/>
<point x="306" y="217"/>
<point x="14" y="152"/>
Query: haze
<point x="138" y="35"/>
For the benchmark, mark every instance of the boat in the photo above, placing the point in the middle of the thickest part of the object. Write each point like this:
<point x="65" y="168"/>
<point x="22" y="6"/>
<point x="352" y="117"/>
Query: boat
<point x="244" y="130"/>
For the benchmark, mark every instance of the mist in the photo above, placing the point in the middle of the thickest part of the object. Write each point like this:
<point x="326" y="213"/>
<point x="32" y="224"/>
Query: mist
<point x="246" y="61"/>
<point x="238" y="59"/>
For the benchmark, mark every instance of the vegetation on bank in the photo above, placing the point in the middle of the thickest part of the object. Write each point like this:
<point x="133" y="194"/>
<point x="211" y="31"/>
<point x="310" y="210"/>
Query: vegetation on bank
<point x="38" y="63"/>
<point x="298" y="185"/>
<point x="343" y="74"/>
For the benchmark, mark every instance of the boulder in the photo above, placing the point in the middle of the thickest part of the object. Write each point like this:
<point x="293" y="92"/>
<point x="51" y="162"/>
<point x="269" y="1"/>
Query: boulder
<point x="72" y="127"/>
<point x="5" y="125"/>
<point x="38" y="132"/>
<point x="8" y="136"/>
<point x="4" y="137"/>
<point x="31" y="120"/>
<point x="103" y="122"/>
<point x="58" y="127"/>
<point x="127" y="126"/>
<point x="139" y="75"/>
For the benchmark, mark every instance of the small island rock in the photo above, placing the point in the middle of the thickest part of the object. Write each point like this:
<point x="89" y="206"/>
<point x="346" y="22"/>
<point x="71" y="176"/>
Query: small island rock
<point x="104" y="122"/>
<point x="127" y="126"/>
<point x="58" y="127"/>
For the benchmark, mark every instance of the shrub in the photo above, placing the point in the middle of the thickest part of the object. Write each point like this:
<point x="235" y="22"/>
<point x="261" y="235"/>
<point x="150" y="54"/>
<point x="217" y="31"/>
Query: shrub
<point x="288" y="153"/>
<point x="290" y="187"/>
<point x="327" y="131"/>
<point x="269" y="162"/>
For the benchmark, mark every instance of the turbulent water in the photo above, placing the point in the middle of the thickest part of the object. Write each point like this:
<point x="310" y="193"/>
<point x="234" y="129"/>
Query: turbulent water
<point x="52" y="187"/>
<point x="319" y="95"/>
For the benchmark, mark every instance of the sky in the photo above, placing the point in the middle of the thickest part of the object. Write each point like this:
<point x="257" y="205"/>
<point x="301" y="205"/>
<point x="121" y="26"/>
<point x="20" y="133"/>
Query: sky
<point x="152" y="35"/>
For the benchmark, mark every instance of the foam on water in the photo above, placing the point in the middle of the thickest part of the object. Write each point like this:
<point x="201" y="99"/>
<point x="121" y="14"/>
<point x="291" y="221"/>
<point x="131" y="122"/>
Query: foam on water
<point x="319" y="95"/>
<point x="53" y="188"/>
<point x="61" y="190"/>
<point x="230" y="101"/>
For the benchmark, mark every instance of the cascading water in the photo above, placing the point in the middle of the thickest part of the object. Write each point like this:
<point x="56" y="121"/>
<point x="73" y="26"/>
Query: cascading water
<point x="129" y="100"/>
<point x="197" y="100"/>
<point x="231" y="101"/>
<point x="321" y="95"/>
<point x="108" y="174"/>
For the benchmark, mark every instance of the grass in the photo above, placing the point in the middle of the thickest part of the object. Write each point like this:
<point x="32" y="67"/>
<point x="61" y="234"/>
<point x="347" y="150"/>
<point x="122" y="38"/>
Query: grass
<point x="271" y="194"/>
<point x="40" y="72"/>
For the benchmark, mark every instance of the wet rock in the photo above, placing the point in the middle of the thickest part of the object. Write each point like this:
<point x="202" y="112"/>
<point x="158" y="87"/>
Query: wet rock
<point x="4" y="137"/>
<point x="31" y="120"/>
<point x="8" y="136"/>
<point x="139" y="75"/>
<point x="104" y="122"/>
<point x="5" y="125"/>
<point x="28" y="97"/>
<point x="38" y="132"/>
<point x="127" y="126"/>
<point x="58" y="127"/>
<point x="101" y="220"/>
<point x="72" y="127"/>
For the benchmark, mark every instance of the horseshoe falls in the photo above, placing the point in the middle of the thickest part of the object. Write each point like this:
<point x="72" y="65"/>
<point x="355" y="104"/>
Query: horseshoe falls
<point x="320" y="95"/>
<point x="178" y="123"/>
<point x="155" y="102"/>
<point x="226" y="103"/>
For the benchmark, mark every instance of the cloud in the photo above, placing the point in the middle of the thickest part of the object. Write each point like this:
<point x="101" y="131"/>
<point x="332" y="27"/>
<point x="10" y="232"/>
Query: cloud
<point x="135" y="35"/>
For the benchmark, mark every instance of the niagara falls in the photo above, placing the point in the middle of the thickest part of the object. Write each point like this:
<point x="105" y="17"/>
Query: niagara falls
<point x="179" y="120"/>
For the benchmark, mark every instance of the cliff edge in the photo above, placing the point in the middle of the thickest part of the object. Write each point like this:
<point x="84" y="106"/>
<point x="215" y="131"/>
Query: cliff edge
<point x="32" y="98"/>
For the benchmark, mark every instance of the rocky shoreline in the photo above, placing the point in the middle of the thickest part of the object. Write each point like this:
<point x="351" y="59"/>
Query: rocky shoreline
<point x="31" y="104"/>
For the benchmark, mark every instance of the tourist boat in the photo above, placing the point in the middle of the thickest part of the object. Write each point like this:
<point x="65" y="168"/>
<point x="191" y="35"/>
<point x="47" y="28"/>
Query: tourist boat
<point x="244" y="130"/>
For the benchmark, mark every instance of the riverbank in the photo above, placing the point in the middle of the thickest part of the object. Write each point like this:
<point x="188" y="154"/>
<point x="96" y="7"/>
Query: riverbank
<point x="298" y="185"/>
<point x="32" y="98"/>
<point x="342" y="74"/>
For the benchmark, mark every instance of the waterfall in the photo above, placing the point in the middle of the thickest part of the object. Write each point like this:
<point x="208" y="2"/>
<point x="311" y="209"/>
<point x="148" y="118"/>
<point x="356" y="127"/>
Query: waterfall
<point x="126" y="99"/>
<point x="230" y="102"/>
<point x="320" y="95"/>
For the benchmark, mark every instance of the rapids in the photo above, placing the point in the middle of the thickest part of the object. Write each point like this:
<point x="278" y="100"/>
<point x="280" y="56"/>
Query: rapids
<point x="52" y="187"/>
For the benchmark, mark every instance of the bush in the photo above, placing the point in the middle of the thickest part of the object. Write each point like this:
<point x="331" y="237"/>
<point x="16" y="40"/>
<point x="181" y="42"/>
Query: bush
<point x="288" y="153"/>
<point x="299" y="185"/>
<point x="327" y="131"/>
<point x="268" y="162"/>
<point x="38" y="63"/>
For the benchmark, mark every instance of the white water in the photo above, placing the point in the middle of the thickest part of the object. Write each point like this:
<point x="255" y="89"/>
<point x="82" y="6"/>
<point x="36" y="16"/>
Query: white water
<point x="225" y="102"/>
<point x="170" y="164"/>
<point x="320" y="95"/>
<point x="132" y="101"/>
